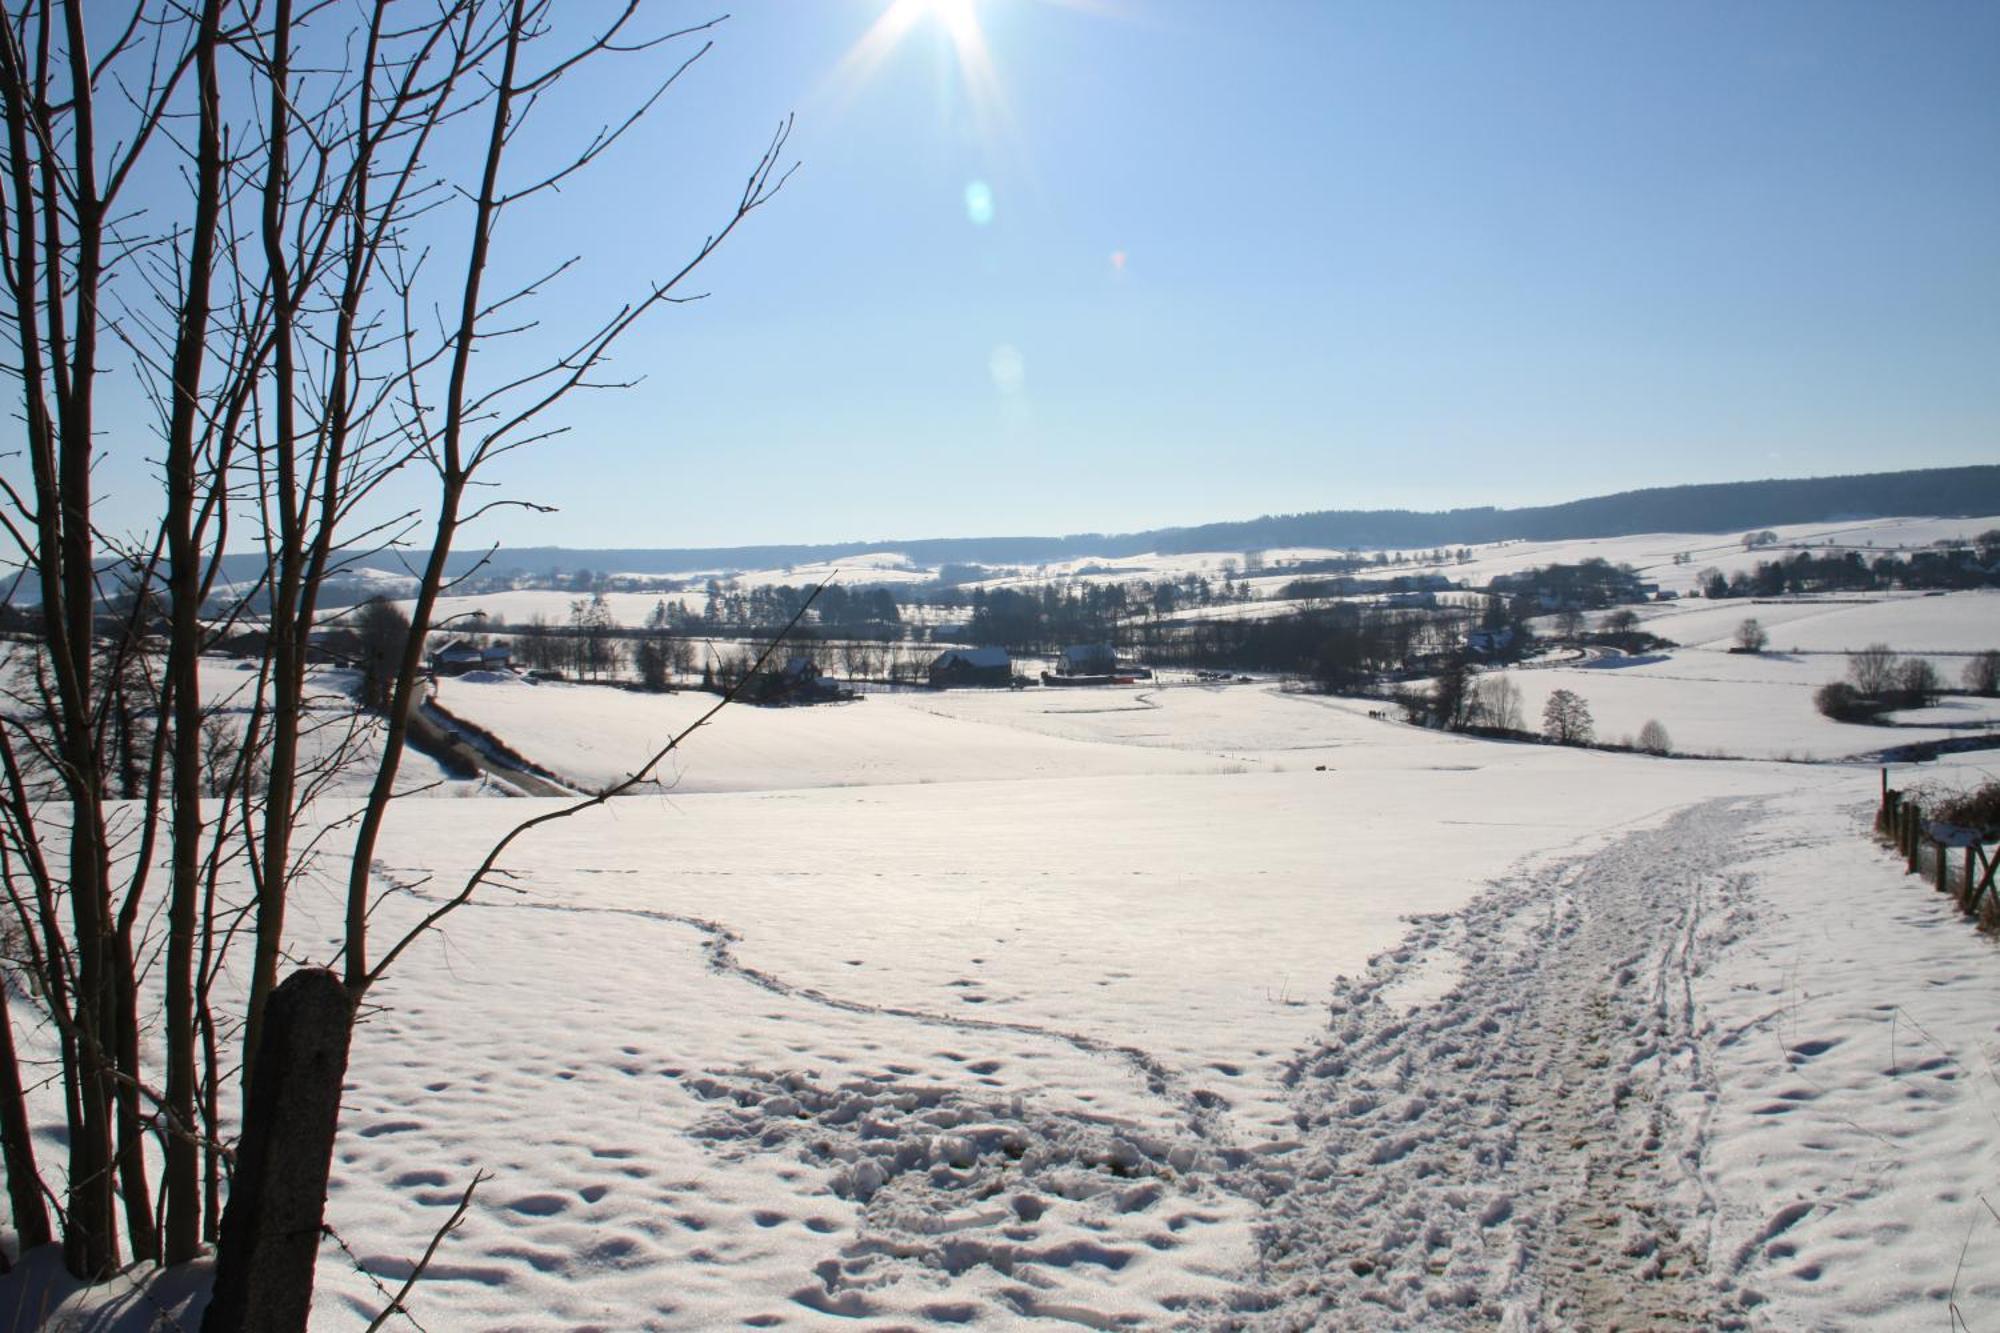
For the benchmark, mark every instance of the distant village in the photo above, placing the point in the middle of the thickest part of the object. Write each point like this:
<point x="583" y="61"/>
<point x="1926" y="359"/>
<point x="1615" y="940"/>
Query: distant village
<point x="1353" y="624"/>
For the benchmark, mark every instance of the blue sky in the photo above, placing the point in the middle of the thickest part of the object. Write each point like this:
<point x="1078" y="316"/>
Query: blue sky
<point x="1278" y="256"/>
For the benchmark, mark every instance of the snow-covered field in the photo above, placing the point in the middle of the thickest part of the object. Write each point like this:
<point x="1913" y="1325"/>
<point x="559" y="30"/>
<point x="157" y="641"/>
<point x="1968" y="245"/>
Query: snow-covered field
<point x="1651" y="553"/>
<point x="1179" y="1006"/>
<point x="1714" y="702"/>
<point x="1919" y="623"/>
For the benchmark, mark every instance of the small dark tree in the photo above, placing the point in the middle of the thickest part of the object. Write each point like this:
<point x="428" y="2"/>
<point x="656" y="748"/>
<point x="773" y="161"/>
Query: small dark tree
<point x="1917" y="683"/>
<point x="1982" y="673"/>
<point x="653" y="655"/>
<point x="1653" y="738"/>
<point x="1872" y="671"/>
<point x="1451" y="695"/>
<point x="1497" y="703"/>
<point x="383" y="630"/>
<point x="1566" y="719"/>
<point x="1751" y="637"/>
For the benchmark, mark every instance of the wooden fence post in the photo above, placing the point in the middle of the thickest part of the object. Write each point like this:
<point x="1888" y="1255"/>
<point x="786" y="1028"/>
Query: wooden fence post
<point x="1967" y="883"/>
<point x="277" y="1199"/>
<point x="1913" y="847"/>
<point x="1992" y="860"/>
<point x="1942" y="882"/>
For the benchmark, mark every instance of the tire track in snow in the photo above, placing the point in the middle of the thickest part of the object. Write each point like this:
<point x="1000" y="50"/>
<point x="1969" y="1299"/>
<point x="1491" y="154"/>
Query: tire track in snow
<point x="1527" y="1150"/>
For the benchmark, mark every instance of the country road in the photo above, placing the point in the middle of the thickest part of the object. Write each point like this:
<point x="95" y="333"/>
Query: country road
<point x="448" y="740"/>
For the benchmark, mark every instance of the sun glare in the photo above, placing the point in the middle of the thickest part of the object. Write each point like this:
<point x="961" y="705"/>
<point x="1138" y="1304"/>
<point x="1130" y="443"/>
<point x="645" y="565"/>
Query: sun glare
<point x="959" y="21"/>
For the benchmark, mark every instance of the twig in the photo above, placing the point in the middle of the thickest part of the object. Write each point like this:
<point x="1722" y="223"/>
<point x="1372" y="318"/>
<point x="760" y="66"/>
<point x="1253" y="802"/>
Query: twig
<point x="451" y="1224"/>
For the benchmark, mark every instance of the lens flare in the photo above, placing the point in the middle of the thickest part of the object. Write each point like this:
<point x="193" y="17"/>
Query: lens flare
<point x="979" y="203"/>
<point x="1009" y="371"/>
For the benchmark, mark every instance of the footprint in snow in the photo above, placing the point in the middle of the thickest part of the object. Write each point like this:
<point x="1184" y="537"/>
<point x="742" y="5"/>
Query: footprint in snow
<point x="539" y="1205"/>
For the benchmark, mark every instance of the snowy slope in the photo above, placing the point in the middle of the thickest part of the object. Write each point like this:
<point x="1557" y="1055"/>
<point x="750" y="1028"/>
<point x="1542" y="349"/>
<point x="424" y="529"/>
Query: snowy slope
<point x="1719" y="703"/>
<point x="1958" y="622"/>
<point x="1175" y="1007"/>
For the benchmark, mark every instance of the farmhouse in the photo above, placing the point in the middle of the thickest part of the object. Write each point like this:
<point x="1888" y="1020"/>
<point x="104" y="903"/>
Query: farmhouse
<point x="1089" y="659"/>
<point x="460" y="656"/>
<point x="972" y="666"/>
<point x="799" y="681"/>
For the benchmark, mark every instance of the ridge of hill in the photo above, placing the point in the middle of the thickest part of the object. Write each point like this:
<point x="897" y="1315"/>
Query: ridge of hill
<point x="1708" y="507"/>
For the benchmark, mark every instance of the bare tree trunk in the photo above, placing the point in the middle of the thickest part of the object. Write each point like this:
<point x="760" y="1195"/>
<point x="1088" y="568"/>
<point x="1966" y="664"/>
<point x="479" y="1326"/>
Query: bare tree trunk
<point x="24" y="1179"/>
<point x="183" y="490"/>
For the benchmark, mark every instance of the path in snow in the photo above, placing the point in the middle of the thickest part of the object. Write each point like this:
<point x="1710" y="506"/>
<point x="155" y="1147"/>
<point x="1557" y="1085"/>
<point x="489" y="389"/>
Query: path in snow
<point x="1526" y="1149"/>
<point x="947" y="1180"/>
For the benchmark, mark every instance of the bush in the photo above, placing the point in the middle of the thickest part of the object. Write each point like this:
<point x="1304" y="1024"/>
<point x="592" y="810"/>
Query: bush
<point x="1841" y="702"/>
<point x="1653" y="738"/>
<point x="1978" y="808"/>
<point x="1750" y="636"/>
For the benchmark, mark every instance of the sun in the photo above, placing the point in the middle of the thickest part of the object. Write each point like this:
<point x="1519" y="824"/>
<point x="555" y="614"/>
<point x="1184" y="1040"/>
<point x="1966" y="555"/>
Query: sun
<point x="959" y="21"/>
<point x="960" y="18"/>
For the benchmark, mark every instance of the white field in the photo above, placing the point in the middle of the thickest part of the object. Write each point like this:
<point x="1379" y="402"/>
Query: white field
<point x="1166" y="1007"/>
<point x="1712" y="701"/>
<point x="1958" y="622"/>
<point x="1651" y="553"/>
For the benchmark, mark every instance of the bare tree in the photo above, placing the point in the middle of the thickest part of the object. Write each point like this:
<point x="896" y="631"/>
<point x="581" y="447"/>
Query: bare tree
<point x="1566" y="719"/>
<point x="300" y="308"/>
<point x="1751" y="636"/>
<point x="1497" y="703"/>
<point x="1982" y="673"/>
<point x="382" y="631"/>
<point x="1917" y="682"/>
<point x="1872" y="671"/>
<point x="1452" y="696"/>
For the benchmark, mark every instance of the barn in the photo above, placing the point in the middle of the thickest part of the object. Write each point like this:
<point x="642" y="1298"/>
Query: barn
<point x="972" y="666"/>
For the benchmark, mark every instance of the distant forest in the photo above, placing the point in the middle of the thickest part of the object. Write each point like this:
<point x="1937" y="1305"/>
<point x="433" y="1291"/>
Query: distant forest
<point x="1721" y="507"/>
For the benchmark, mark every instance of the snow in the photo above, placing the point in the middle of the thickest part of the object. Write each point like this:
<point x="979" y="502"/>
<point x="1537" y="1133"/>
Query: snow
<point x="1957" y="622"/>
<point x="522" y="606"/>
<point x="1854" y="1123"/>
<point x="1714" y="702"/>
<point x="1174" y="1005"/>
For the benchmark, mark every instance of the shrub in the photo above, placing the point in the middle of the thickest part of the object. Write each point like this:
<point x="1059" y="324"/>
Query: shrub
<point x="1750" y="636"/>
<point x="1841" y="702"/>
<point x="1978" y="808"/>
<point x="1653" y="738"/>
